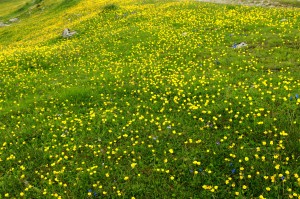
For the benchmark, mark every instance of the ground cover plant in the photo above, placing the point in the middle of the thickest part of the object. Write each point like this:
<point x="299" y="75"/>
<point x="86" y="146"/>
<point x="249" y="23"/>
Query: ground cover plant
<point x="150" y="99"/>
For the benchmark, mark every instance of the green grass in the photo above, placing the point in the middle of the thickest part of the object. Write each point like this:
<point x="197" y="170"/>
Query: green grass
<point x="150" y="100"/>
<point x="8" y="6"/>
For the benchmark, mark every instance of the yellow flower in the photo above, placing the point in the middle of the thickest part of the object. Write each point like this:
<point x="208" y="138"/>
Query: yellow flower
<point x="287" y="172"/>
<point x="268" y="188"/>
<point x="196" y="162"/>
<point x="171" y="150"/>
<point x="133" y="165"/>
<point x="277" y="166"/>
<point x="126" y="178"/>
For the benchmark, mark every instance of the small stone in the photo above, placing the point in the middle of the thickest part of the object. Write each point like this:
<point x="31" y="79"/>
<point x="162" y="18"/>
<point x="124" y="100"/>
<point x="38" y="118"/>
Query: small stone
<point x="3" y="24"/>
<point x="13" y="20"/>
<point x="68" y="33"/>
<point x="283" y="20"/>
<point x="240" y="45"/>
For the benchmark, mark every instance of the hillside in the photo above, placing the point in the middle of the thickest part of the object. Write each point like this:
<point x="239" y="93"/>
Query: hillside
<point x="149" y="99"/>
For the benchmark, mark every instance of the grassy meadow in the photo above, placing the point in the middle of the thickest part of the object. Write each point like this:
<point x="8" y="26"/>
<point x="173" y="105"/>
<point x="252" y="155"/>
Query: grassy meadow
<point x="9" y="7"/>
<point x="150" y="99"/>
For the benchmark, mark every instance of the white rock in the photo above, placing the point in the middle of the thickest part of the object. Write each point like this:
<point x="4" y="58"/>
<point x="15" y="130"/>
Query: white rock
<point x="3" y="24"/>
<point x="241" y="45"/>
<point x="68" y="33"/>
<point x="13" y="20"/>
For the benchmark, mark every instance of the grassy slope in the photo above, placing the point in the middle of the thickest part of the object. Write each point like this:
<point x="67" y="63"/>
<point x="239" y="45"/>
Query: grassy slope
<point x="8" y="6"/>
<point x="13" y="8"/>
<point x="152" y="91"/>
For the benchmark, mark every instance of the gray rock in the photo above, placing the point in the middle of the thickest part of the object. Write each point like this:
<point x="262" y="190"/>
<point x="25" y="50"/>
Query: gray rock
<point x="3" y="24"/>
<point x="68" y="33"/>
<point x="241" y="45"/>
<point x="13" y="20"/>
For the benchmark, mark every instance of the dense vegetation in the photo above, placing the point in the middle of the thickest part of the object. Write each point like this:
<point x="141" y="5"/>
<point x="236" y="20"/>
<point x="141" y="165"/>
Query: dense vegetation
<point x="149" y="99"/>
